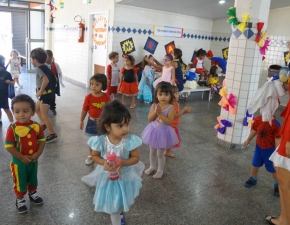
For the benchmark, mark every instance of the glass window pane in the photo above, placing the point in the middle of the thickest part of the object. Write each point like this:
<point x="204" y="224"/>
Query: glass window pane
<point x="36" y="6"/>
<point x="34" y="45"/>
<point x="19" y="4"/>
<point x="36" y="25"/>
<point x="3" y="3"/>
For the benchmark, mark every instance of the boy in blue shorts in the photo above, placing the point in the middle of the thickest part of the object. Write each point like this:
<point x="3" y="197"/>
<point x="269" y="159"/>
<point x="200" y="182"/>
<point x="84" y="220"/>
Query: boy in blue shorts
<point x="266" y="142"/>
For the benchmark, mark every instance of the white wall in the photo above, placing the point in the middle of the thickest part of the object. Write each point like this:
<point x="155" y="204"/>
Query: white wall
<point x="145" y="19"/>
<point x="71" y="55"/>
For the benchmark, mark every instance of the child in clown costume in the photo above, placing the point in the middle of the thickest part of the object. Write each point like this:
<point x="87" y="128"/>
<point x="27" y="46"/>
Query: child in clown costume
<point x="25" y="142"/>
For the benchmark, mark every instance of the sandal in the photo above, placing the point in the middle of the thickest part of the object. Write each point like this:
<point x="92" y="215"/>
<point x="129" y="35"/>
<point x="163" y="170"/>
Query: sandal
<point x="270" y="219"/>
<point x="169" y="154"/>
<point x="132" y="106"/>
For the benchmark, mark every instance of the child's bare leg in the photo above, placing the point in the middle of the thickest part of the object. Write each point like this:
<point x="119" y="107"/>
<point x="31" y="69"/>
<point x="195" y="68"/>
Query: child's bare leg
<point x="89" y="158"/>
<point x="254" y="171"/>
<point x="114" y="96"/>
<point x="37" y="110"/>
<point x="168" y="153"/>
<point x="9" y="115"/>
<point x="133" y="100"/>
<point x="44" y="108"/>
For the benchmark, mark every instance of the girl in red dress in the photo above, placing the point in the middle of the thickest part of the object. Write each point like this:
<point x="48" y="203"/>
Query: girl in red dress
<point x="129" y="80"/>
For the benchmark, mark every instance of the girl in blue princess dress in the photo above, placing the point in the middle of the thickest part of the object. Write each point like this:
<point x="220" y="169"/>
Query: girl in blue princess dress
<point x="159" y="134"/>
<point x="146" y="83"/>
<point x="115" y="196"/>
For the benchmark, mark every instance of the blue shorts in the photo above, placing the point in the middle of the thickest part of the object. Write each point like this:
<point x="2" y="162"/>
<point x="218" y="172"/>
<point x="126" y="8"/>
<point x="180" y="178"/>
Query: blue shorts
<point x="91" y="128"/>
<point x="261" y="156"/>
<point x="4" y="102"/>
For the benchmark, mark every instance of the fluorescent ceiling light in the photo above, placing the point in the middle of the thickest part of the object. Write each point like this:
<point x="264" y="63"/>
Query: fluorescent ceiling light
<point x="222" y="1"/>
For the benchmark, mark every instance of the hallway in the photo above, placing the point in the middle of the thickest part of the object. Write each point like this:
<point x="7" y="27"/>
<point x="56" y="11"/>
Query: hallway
<point x="203" y="185"/>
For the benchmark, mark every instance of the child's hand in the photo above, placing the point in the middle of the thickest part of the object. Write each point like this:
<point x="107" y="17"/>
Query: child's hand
<point x="26" y="159"/>
<point x="81" y="125"/>
<point x="34" y="157"/>
<point x="246" y="143"/>
<point x="118" y="166"/>
<point x="38" y="94"/>
<point x="158" y="109"/>
<point x="7" y="81"/>
<point x="187" y="109"/>
<point x="107" y="167"/>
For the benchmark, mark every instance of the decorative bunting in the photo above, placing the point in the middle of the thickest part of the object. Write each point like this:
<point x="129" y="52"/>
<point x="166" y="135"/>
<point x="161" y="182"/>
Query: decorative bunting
<point x="127" y="46"/>
<point x="248" y="120"/>
<point x="150" y="45"/>
<point x="265" y="47"/>
<point x="222" y="125"/>
<point x="260" y="26"/>
<point x="232" y="13"/>
<point x="169" y="47"/>
<point x="243" y="24"/>
<point x="229" y="103"/>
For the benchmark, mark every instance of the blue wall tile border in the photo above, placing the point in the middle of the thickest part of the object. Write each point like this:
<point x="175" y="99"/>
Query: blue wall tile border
<point x="248" y="33"/>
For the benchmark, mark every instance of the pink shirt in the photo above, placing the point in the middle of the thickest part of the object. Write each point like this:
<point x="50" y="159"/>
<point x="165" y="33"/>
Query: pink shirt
<point x="166" y="74"/>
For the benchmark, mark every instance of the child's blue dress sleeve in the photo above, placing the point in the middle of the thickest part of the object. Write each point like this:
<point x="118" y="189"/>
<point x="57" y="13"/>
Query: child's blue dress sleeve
<point x="133" y="142"/>
<point x="96" y="143"/>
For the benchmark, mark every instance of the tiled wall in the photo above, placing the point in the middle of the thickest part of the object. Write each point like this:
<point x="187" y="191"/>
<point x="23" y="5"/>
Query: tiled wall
<point x="197" y="32"/>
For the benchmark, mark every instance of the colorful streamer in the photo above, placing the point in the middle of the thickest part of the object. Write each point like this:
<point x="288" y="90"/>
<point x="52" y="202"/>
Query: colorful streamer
<point x="242" y="25"/>
<point x="232" y="13"/>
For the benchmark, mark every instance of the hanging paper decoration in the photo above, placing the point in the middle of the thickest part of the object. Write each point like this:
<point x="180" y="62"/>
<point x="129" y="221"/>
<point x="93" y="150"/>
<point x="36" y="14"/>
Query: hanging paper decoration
<point x="232" y="13"/>
<point x="248" y="120"/>
<point x="265" y="47"/>
<point x="222" y="125"/>
<point x="127" y="46"/>
<point x="61" y="4"/>
<point x="50" y="4"/>
<point x="150" y="45"/>
<point x="260" y="26"/>
<point x="225" y="52"/>
<point x="262" y="39"/>
<point x="169" y="47"/>
<point x="242" y="25"/>
<point x="286" y="57"/>
<point x="229" y="103"/>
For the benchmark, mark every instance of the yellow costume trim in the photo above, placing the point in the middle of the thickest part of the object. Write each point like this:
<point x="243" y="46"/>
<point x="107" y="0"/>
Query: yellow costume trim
<point x="22" y="131"/>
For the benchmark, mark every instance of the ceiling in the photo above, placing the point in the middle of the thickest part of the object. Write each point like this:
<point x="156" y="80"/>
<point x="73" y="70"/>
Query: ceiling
<point x="209" y="9"/>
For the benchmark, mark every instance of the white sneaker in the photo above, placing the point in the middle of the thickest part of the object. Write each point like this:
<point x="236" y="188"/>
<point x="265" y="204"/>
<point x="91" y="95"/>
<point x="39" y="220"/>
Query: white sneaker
<point x="20" y="86"/>
<point x="89" y="160"/>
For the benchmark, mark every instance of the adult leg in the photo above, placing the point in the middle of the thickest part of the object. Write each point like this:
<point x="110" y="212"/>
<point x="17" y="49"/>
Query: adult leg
<point x="153" y="158"/>
<point x="9" y="115"/>
<point x="161" y="163"/>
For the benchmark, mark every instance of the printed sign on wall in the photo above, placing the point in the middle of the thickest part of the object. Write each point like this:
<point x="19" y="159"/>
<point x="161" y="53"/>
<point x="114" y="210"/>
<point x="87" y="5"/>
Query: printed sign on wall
<point x="99" y="33"/>
<point x="165" y="31"/>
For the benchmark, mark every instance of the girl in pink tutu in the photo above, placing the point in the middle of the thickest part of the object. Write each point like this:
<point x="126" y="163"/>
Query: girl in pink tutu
<point x="159" y="134"/>
<point x="168" y="72"/>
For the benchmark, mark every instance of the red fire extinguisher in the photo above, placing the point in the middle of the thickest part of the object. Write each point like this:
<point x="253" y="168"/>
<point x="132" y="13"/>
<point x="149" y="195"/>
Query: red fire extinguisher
<point x="81" y="28"/>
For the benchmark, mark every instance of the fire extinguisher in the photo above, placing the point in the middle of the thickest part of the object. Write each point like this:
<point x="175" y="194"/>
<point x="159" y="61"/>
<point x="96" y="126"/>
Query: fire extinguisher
<point x="81" y="28"/>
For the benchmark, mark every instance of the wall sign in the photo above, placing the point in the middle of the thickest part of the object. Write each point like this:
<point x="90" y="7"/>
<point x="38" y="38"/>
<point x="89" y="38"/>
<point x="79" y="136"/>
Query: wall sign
<point x="167" y="31"/>
<point x="100" y="30"/>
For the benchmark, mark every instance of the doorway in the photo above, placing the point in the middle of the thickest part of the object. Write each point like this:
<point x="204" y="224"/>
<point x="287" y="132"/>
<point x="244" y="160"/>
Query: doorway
<point x="24" y="29"/>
